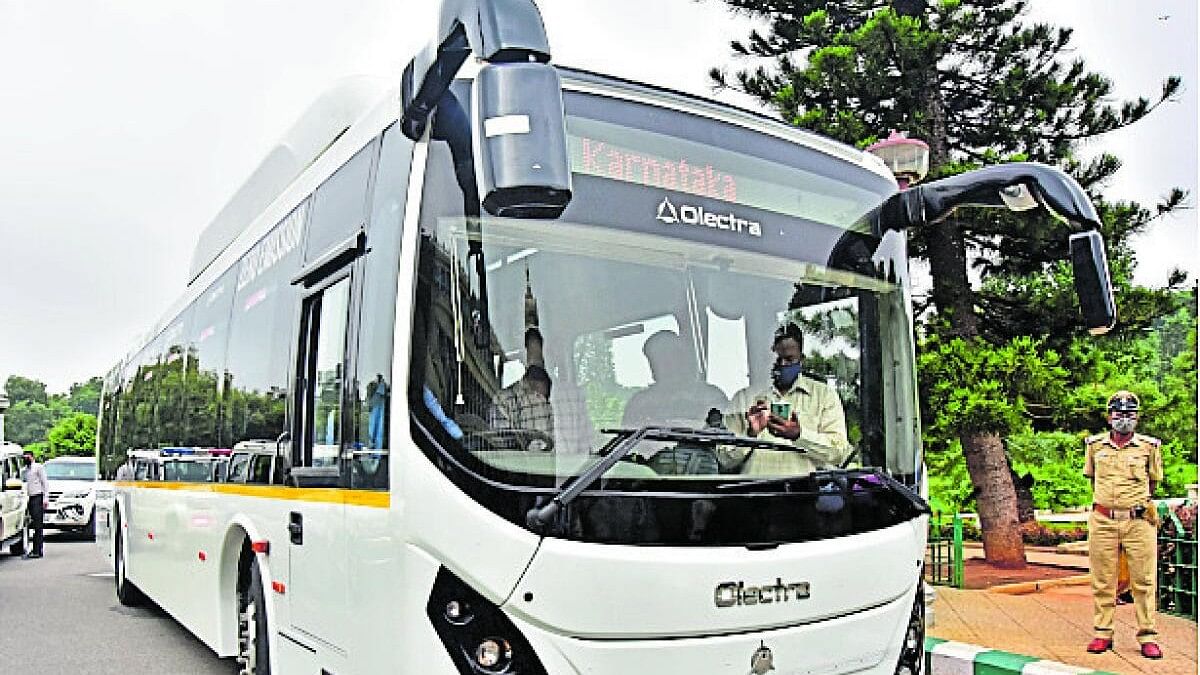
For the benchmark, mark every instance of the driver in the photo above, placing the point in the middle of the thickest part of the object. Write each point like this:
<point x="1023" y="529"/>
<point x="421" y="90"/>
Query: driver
<point x="677" y="397"/>
<point x="814" y="414"/>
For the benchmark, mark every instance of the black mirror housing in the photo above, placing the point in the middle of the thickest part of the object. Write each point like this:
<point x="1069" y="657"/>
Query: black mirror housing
<point x="1020" y="186"/>
<point x="521" y="164"/>
<point x="1092" y="283"/>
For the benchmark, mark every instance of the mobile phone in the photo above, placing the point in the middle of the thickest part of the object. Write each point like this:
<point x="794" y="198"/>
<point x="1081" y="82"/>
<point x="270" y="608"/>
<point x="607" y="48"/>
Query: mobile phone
<point x="781" y="409"/>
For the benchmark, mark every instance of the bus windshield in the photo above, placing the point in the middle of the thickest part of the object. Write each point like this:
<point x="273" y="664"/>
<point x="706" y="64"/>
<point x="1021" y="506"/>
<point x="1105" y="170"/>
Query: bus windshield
<point x="706" y="277"/>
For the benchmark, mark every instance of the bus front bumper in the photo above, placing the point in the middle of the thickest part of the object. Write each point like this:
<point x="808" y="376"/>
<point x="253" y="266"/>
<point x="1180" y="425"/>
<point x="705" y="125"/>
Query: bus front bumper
<point x="868" y="641"/>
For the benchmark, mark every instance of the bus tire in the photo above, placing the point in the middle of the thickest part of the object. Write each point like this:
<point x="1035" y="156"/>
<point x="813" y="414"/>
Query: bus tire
<point x="128" y="594"/>
<point x="89" y="530"/>
<point x="254" y="645"/>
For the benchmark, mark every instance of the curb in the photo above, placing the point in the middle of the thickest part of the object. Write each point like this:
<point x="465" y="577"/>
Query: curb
<point x="943" y="657"/>
<point x="1024" y="587"/>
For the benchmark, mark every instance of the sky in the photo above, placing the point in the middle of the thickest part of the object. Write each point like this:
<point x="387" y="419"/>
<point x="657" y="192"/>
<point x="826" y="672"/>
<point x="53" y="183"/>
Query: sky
<point x="125" y="127"/>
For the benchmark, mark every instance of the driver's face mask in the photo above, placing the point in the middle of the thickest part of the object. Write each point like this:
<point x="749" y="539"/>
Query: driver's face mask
<point x="785" y="376"/>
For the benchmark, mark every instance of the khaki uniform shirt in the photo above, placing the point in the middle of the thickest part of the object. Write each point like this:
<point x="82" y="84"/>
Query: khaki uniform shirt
<point x="1122" y="475"/>
<point x="817" y="408"/>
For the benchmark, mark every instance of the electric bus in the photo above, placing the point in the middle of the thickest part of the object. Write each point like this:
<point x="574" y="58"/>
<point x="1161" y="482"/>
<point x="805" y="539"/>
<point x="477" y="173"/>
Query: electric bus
<point x="496" y="338"/>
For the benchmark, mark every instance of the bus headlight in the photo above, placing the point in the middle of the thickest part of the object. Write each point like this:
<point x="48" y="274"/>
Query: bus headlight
<point x="480" y="639"/>
<point x="458" y="612"/>
<point x="493" y="653"/>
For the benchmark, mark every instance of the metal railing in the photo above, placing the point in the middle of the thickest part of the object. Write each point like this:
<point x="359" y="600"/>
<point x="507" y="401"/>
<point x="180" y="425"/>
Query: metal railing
<point x="944" y="552"/>
<point x="1176" y="565"/>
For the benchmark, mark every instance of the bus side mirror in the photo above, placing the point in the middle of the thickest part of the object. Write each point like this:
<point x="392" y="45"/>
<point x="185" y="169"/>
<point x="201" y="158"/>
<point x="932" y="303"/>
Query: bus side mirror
<point x="1092" y="283"/>
<point x="1018" y="186"/>
<point x="520" y="138"/>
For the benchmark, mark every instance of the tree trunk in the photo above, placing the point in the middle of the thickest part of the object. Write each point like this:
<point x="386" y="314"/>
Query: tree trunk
<point x="995" y="499"/>
<point x="952" y="295"/>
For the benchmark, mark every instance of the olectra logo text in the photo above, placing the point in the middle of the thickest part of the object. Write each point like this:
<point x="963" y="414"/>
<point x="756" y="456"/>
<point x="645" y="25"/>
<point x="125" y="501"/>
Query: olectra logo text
<point x="733" y="593"/>
<point x="696" y="215"/>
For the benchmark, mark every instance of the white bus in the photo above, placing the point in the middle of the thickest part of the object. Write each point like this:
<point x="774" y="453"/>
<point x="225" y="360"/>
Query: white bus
<point x="490" y="338"/>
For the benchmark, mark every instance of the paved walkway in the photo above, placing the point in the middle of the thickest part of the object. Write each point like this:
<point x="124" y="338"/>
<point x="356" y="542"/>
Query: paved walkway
<point x="1056" y="624"/>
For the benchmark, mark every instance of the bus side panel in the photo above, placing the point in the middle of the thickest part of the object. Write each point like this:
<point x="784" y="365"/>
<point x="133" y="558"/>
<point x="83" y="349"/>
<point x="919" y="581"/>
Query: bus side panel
<point x="377" y="587"/>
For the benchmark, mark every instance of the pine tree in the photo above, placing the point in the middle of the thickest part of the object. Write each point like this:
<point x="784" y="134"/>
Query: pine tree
<point x="980" y="85"/>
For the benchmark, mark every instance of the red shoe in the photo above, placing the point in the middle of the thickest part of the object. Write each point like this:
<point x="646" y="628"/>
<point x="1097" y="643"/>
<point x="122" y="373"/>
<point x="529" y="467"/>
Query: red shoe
<point x="1150" y="650"/>
<point x="1100" y="645"/>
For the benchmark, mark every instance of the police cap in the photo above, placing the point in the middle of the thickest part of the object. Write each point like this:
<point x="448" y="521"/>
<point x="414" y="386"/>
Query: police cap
<point x="1123" y="401"/>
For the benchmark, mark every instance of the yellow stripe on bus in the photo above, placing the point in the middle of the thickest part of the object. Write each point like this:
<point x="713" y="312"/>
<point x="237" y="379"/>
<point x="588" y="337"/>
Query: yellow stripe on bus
<point x="370" y="498"/>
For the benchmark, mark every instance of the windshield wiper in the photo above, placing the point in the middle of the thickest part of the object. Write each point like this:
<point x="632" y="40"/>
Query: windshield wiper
<point x="623" y="442"/>
<point x="873" y="475"/>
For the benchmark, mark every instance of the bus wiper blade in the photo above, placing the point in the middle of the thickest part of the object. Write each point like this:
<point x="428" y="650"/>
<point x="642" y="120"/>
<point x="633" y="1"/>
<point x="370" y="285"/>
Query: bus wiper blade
<point x="874" y="475"/>
<point x="903" y="490"/>
<point x="623" y="442"/>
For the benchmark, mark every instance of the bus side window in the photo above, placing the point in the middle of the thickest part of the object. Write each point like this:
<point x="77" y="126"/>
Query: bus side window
<point x="372" y="388"/>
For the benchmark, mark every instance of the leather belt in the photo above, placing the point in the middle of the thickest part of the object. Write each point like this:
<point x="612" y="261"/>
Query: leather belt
<point x="1116" y="514"/>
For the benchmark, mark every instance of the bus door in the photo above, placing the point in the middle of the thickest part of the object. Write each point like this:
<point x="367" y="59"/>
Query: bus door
<point x="318" y="555"/>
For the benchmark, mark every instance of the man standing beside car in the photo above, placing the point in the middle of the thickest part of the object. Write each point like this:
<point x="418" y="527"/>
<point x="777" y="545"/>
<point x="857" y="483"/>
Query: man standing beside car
<point x="37" y="487"/>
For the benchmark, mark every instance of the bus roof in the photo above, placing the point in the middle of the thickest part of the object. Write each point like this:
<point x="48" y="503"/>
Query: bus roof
<point x="354" y="111"/>
<point x="330" y="116"/>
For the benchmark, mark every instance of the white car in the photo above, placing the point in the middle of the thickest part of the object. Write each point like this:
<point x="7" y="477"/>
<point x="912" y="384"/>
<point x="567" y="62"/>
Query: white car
<point x="72" y="494"/>
<point x="13" y="531"/>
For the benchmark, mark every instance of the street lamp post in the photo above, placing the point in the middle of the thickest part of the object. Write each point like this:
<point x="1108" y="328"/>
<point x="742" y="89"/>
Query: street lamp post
<point x="908" y="158"/>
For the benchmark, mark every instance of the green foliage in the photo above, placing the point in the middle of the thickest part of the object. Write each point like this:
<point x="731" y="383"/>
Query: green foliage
<point x="1048" y="416"/>
<point x="1055" y="459"/>
<point x="85" y="396"/>
<point x="971" y="386"/>
<point x="25" y="389"/>
<point x="52" y="424"/>
<point x="73" y="435"/>
<point x="950" y="489"/>
<point x="28" y="420"/>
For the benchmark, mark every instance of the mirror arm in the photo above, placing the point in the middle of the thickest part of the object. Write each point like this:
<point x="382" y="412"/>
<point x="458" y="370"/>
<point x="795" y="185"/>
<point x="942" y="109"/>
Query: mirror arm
<point x="1018" y="186"/>
<point x="498" y="31"/>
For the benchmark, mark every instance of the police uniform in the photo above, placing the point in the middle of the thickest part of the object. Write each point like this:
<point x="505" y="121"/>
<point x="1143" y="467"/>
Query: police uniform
<point x="1121" y="477"/>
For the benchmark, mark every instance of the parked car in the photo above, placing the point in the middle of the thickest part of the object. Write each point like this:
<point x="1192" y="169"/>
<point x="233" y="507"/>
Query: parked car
<point x="14" y="530"/>
<point x="72" y="494"/>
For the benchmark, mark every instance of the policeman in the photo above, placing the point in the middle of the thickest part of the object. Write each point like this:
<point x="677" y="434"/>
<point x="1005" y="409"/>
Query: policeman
<point x="1124" y="468"/>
